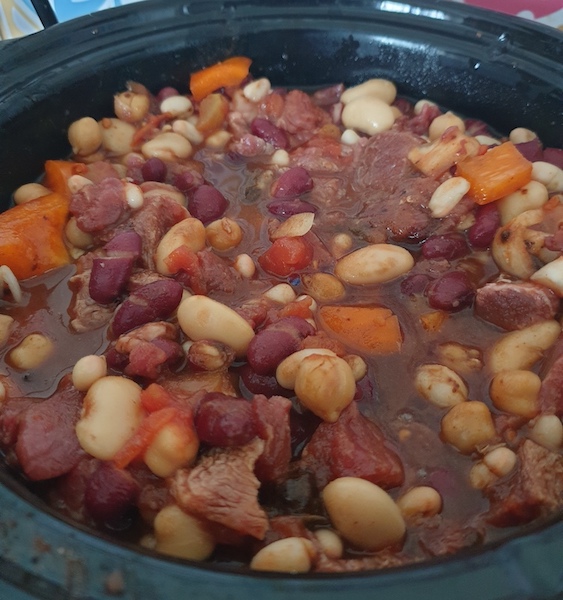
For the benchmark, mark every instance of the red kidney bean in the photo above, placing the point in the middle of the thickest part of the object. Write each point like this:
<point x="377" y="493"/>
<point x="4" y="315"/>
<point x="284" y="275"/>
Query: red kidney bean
<point x="292" y="183"/>
<point x="269" y="347"/>
<point x="184" y="181"/>
<point x="116" y="361"/>
<point x="415" y="284"/>
<point x="293" y="324"/>
<point x="207" y="204"/>
<point x="287" y="208"/>
<point x="166" y="92"/>
<point x="487" y="221"/>
<point x="267" y="131"/>
<point x="452" y="291"/>
<point x="329" y="95"/>
<point x="252" y="383"/>
<point x="448" y="246"/>
<point x="151" y="302"/>
<point x="553" y="156"/>
<point x="126" y="243"/>
<point x="154" y="169"/>
<point x="110" y="493"/>
<point x="531" y="150"/>
<point x="223" y="420"/>
<point x="108" y="278"/>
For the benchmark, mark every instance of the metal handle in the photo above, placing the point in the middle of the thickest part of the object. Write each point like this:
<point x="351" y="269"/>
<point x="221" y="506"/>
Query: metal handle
<point x="45" y="12"/>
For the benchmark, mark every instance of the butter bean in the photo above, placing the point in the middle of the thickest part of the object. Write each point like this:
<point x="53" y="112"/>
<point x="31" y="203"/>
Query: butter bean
<point x="421" y="500"/>
<point x="440" y="385"/>
<point x="30" y="191"/>
<point x="533" y="195"/>
<point x="547" y="431"/>
<point x="377" y="263"/>
<point x="383" y="89"/>
<point x="447" y="196"/>
<point x="288" y="555"/>
<point x="551" y="275"/>
<point x="516" y="392"/>
<point x="368" y="114"/>
<point x="189" y="232"/>
<point x="117" y="136"/>
<point x="177" y="106"/>
<point x="167" y="146"/>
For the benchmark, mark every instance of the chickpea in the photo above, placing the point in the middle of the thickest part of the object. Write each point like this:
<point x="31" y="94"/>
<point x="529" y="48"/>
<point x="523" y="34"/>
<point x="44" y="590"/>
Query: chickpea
<point x="31" y="352"/>
<point x="87" y="370"/>
<point x="286" y="373"/>
<point x="130" y="106"/>
<point x="516" y="392"/>
<point x="468" y="425"/>
<point x="85" y="136"/>
<point x="223" y="234"/>
<point x="30" y="191"/>
<point x="175" y="446"/>
<point x="420" y="501"/>
<point x="330" y="542"/>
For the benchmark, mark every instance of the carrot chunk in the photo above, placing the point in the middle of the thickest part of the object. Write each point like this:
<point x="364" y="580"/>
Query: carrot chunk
<point x="495" y="174"/>
<point x="31" y="236"/>
<point x="372" y="329"/>
<point x="58" y="172"/>
<point x="223" y="74"/>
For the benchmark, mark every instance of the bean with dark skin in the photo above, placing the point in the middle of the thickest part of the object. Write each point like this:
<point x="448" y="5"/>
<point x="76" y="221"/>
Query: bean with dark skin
<point x="126" y="243"/>
<point x="415" y="284"/>
<point x="448" y="246"/>
<point x="154" y="169"/>
<point x="452" y="291"/>
<point x="553" y="156"/>
<point x="207" y="204"/>
<point x="267" y="131"/>
<point x="487" y="221"/>
<point x="252" y="383"/>
<point x="287" y="208"/>
<point x="268" y="348"/>
<point x="292" y="183"/>
<point x="531" y="150"/>
<point x="109" y="278"/>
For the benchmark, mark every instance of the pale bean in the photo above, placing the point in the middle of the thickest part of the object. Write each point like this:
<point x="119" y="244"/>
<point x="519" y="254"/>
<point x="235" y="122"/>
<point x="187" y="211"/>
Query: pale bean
<point x="522" y="348"/>
<point x="349" y="137"/>
<point x="87" y="370"/>
<point x="363" y="513"/>
<point x="358" y="365"/>
<point x="548" y="174"/>
<point x="6" y="323"/>
<point x="77" y="182"/>
<point x="218" y="140"/>
<point x="500" y="461"/>
<point x="521" y="135"/>
<point x="312" y="302"/>
<point x="480" y="476"/>
<point x="77" y="237"/>
<point x="487" y="140"/>
<point x="30" y="191"/>
<point x="130" y="106"/>
<point x="516" y="392"/>
<point x="202" y="318"/>
<point x="295" y="226"/>
<point x="244" y="264"/>
<point x="188" y="130"/>
<point x="383" y="89"/>
<point x="223" y="234"/>
<point x="443" y="122"/>
<point x="447" y="196"/>
<point x="3" y="393"/>
<point x="377" y="263"/>
<point x="257" y="90"/>
<point x="10" y="281"/>
<point x="325" y="385"/>
<point x="189" y="232"/>
<point x="323" y="287"/>
<point x="282" y="293"/>
<point x="440" y="385"/>
<point x="31" y="352"/>
<point x="547" y="431"/>
<point x="459" y="358"/>
<point x="280" y="158"/>
<point x="286" y="371"/>
<point x="177" y="106"/>
<point x="421" y="500"/>
<point x="533" y="195"/>
<point x="117" y="136"/>
<point x="85" y="136"/>
<point x="468" y="425"/>
<point x="174" y="446"/>
<point x="168" y="146"/>
<point x="182" y="535"/>
<point x="167" y="191"/>
<point x="368" y="114"/>
<point x="133" y="196"/>
<point x="419" y="106"/>
<point x="341" y="244"/>
<point x="551" y="275"/>
<point x="288" y="555"/>
<point x="330" y="543"/>
<point x="111" y="412"/>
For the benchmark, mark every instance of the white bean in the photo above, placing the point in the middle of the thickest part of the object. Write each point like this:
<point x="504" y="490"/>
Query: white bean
<point x="500" y="461"/>
<point x="286" y="371"/>
<point x="77" y="237"/>
<point x="480" y="476"/>
<point x="117" y="136"/>
<point x="295" y="226"/>
<point x="521" y="135"/>
<point x="6" y="323"/>
<point x="383" y="89"/>
<point x="133" y="196"/>
<point x="459" y="358"/>
<point x="341" y="244"/>
<point x="280" y="158"/>
<point x="447" y="195"/>
<point x="182" y="535"/>
<point x="368" y="114"/>
<point x="30" y="191"/>
<point x="244" y="264"/>
<point x="548" y="431"/>
<point x="257" y="90"/>
<point x="87" y="370"/>
<point x="288" y="555"/>
<point x="330" y="543"/>
<point x="189" y="232"/>
<point x="167" y="146"/>
<point x="548" y="174"/>
<point x="188" y="130"/>
<point x="533" y="195"/>
<point x="282" y="293"/>
<point x="516" y="392"/>
<point x="468" y="425"/>
<point x="349" y="137"/>
<point x="551" y="275"/>
<point x="77" y="182"/>
<point x="174" y="446"/>
<point x="31" y="352"/>
<point x="443" y="122"/>
<point x="218" y="140"/>
<point x="420" y="501"/>
<point x="363" y="513"/>
<point x="85" y="136"/>
<point x="177" y="106"/>
<point x="440" y="385"/>
<point x="376" y="263"/>
<point x="111" y="413"/>
<point x="418" y="107"/>
<point x="202" y="318"/>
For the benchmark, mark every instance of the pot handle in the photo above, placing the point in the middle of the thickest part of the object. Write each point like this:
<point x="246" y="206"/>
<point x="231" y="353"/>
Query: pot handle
<point x="45" y="12"/>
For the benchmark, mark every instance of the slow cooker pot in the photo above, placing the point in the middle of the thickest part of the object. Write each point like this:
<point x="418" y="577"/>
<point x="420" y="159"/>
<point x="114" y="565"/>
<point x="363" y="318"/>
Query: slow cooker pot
<point x="503" y="70"/>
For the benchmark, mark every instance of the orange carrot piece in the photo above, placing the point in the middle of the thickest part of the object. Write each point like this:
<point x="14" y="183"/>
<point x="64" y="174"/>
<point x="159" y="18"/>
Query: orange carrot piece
<point x="31" y="236"/>
<point x="144" y="131"/>
<point x="495" y="174"/>
<point x="58" y="172"/>
<point x="223" y="74"/>
<point x="372" y="329"/>
<point x="298" y="308"/>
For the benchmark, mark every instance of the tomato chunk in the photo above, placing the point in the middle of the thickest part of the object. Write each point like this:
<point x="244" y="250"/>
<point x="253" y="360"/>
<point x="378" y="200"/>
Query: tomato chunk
<point x="286" y="255"/>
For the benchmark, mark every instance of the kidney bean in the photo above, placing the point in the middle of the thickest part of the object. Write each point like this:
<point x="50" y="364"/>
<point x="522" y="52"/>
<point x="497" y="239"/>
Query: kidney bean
<point x="415" y="284"/>
<point x="109" y="277"/>
<point x="269" y="347"/>
<point x="251" y="383"/>
<point x="487" y="221"/>
<point x="287" y="208"/>
<point x="223" y="420"/>
<point x="292" y="183"/>
<point x="531" y="150"/>
<point x="553" y="156"/>
<point x="293" y="324"/>
<point x="127" y="243"/>
<point x="452" y="291"/>
<point x="184" y="181"/>
<point x="154" y="169"/>
<point x="448" y="246"/>
<point x="156" y="300"/>
<point x="207" y="204"/>
<point x="262" y="128"/>
<point x="166" y="92"/>
<point x="110" y="493"/>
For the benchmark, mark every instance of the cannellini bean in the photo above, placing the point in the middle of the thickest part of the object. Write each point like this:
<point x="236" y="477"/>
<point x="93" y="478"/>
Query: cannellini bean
<point x="117" y="136"/>
<point x="182" y="535"/>
<point x="111" y="413"/>
<point x="480" y="476"/>
<point x="167" y="146"/>
<point x="487" y="140"/>
<point x="177" y="106"/>
<point x="286" y="371"/>
<point x="516" y="392"/>
<point x="296" y="226"/>
<point x="440" y="385"/>
<point x="421" y="104"/>
<point x="282" y="293"/>
<point x="218" y="140"/>
<point x="374" y="264"/>
<point x="500" y="461"/>
<point x="133" y="196"/>
<point x="368" y="114"/>
<point x="349" y="137"/>
<point x="87" y="370"/>
<point x="174" y="446"/>
<point x="341" y="244"/>
<point x="288" y="555"/>
<point x="280" y="158"/>
<point x="547" y="431"/>
<point x="363" y="513"/>
<point x="323" y="287"/>
<point x="358" y="365"/>
<point x="532" y="195"/>
<point x="330" y="543"/>
<point x="420" y="501"/>
<point x="447" y="195"/>
<point x="85" y="136"/>
<point x="223" y="234"/>
<point x="468" y="425"/>
<point x="551" y="275"/>
<point x="548" y="174"/>
<point x="443" y="122"/>
<point x="383" y="89"/>
<point x="521" y="135"/>
<point x="521" y="349"/>
<point x="188" y="130"/>
<point x="30" y="191"/>
<point x="77" y="182"/>
<point x="6" y="323"/>
<point x="257" y="90"/>
<point x="325" y="385"/>
<point x="189" y="232"/>
<point x="130" y="106"/>
<point x="77" y="237"/>
<point x="31" y="352"/>
<point x="244" y="264"/>
<point x="202" y="318"/>
<point x="461" y="359"/>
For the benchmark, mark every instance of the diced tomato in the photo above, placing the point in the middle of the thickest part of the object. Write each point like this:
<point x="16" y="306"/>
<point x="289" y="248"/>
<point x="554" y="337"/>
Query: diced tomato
<point x="286" y="255"/>
<point x="155" y="397"/>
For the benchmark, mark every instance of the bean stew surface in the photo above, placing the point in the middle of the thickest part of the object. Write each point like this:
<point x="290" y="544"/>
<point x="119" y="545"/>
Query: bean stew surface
<point x="285" y="331"/>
